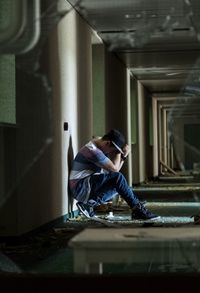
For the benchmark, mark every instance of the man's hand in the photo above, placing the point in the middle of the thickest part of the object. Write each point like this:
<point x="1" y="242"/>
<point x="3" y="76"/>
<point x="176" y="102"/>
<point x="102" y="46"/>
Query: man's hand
<point x="126" y="150"/>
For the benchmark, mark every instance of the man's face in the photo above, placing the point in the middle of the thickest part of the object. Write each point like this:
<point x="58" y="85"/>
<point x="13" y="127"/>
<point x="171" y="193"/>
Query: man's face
<point x="111" y="149"/>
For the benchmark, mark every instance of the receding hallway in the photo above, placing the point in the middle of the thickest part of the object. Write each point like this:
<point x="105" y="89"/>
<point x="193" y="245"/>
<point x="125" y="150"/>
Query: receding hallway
<point x="71" y="70"/>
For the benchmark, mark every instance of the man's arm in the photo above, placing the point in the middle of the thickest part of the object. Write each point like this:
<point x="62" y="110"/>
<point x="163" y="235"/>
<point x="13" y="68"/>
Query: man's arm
<point x="117" y="160"/>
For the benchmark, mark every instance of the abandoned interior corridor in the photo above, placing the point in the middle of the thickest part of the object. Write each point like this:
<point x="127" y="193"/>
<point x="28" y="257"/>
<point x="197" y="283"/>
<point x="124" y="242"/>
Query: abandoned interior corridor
<point x="72" y="70"/>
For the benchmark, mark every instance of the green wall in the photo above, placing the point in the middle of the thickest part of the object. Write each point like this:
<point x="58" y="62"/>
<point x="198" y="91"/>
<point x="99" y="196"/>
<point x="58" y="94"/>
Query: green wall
<point x="134" y="112"/>
<point x="7" y="89"/>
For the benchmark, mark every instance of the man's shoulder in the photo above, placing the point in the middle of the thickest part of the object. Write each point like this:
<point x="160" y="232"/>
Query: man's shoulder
<point x="90" y="145"/>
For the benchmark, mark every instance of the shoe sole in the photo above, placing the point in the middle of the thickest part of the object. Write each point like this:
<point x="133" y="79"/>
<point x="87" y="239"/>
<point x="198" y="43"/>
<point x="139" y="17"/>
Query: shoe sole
<point x="155" y="218"/>
<point x="140" y="219"/>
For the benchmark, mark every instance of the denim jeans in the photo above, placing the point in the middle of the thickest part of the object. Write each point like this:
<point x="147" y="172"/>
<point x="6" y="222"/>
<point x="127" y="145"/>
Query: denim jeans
<point x="105" y="186"/>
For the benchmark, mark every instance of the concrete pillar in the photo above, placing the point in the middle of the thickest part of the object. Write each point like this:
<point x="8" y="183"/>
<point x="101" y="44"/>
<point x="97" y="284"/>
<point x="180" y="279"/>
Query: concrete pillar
<point x="155" y="137"/>
<point x="71" y="74"/>
<point x="141" y="133"/>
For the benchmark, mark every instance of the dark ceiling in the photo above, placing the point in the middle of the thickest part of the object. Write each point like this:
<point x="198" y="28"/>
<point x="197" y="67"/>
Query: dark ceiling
<point x="158" y="40"/>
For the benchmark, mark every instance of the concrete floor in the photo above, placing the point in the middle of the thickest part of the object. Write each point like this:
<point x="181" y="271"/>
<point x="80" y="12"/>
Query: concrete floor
<point x="47" y="251"/>
<point x="169" y="212"/>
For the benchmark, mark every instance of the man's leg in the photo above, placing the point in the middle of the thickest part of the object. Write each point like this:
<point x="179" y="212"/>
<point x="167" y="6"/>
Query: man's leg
<point x="105" y="186"/>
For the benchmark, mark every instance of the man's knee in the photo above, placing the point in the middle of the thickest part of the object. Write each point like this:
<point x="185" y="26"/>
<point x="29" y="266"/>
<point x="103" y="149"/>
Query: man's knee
<point x="119" y="176"/>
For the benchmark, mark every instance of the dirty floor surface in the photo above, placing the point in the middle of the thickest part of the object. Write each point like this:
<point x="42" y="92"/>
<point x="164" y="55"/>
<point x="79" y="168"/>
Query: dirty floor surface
<point x="47" y="250"/>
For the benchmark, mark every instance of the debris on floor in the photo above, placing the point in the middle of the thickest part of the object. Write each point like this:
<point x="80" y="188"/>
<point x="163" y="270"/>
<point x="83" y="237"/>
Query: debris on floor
<point x="47" y="250"/>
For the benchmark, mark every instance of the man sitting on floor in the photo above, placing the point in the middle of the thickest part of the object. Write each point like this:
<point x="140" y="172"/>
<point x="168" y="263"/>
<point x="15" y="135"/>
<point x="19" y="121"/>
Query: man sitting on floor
<point x="95" y="177"/>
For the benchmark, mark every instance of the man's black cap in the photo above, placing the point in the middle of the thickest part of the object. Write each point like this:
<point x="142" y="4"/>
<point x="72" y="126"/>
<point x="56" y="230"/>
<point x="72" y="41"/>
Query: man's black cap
<point x="117" y="138"/>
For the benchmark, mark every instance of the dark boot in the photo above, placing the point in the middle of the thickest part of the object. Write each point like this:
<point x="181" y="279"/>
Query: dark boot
<point x="139" y="212"/>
